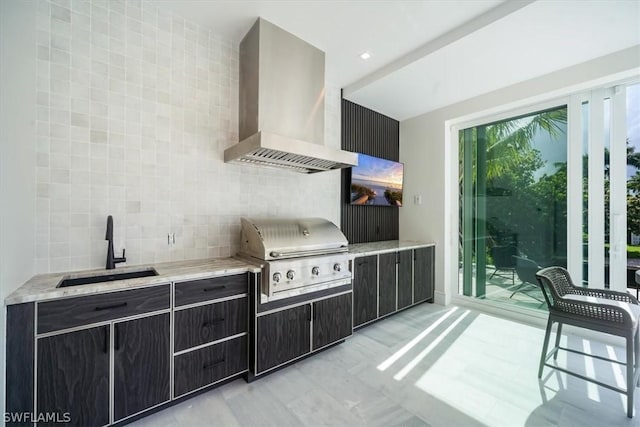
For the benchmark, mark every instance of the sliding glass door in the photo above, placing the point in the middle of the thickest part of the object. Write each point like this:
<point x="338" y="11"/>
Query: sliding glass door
<point x="554" y="187"/>
<point x="513" y="190"/>
<point x="604" y="188"/>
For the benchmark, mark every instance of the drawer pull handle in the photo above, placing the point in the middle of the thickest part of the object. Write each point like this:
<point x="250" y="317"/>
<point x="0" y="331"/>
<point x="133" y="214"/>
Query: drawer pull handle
<point x="213" y="322"/>
<point x="212" y="365"/>
<point x="107" y="307"/>
<point x="215" y="288"/>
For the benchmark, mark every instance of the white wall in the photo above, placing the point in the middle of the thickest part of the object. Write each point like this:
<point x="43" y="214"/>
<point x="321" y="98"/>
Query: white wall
<point x="17" y="154"/>
<point x="430" y="157"/>
<point x="135" y="109"/>
<point x="119" y="108"/>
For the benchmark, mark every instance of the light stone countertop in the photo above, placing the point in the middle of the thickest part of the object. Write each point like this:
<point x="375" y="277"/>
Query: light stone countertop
<point x="373" y="248"/>
<point x="43" y="287"/>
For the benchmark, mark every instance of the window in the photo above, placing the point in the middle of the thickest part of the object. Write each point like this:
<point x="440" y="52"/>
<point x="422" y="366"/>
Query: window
<point x="513" y="190"/>
<point x="554" y="187"/>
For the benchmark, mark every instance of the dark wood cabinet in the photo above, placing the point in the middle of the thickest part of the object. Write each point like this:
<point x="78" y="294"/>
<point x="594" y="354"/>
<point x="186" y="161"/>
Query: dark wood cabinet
<point x="73" y="370"/>
<point x="282" y="336"/>
<point x="405" y="279"/>
<point x="332" y="320"/>
<point x="141" y="364"/>
<point x="203" y="324"/>
<point x="199" y="368"/>
<point x="210" y="340"/>
<point x="73" y="376"/>
<point x="20" y="360"/>
<point x="387" y="283"/>
<point x="391" y="281"/>
<point x="365" y="291"/>
<point x="424" y="260"/>
<point x="104" y="358"/>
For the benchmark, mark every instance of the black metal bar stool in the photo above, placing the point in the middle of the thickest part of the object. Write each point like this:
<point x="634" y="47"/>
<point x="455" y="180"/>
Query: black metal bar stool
<point x="601" y="310"/>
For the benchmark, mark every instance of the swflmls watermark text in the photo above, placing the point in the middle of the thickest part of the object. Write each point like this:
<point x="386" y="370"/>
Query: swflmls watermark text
<point x="40" y="417"/>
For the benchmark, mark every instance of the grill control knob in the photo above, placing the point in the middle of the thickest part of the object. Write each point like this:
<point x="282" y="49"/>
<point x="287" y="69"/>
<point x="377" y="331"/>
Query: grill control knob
<point x="291" y="274"/>
<point x="277" y="277"/>
<point x="315" y="271"/>
<point x="337" y="267"/>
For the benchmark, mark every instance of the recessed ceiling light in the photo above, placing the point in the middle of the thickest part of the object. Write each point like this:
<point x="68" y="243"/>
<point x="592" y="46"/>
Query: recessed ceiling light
<point x="365" y="55"/>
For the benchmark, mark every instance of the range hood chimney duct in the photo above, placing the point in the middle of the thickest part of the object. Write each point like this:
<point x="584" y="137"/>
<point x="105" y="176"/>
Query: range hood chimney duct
<point x="281" y="104"/>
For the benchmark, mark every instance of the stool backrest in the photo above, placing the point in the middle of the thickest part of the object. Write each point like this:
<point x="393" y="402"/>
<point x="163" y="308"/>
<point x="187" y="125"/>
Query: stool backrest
<point x="555" y="283"/>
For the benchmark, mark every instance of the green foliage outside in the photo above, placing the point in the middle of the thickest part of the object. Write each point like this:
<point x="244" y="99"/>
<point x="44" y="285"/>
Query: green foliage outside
<point x="523" y="208"/>
<point x="633" y="192"/>
<point x="633" y="251"/>
<point x="529" y="210"/>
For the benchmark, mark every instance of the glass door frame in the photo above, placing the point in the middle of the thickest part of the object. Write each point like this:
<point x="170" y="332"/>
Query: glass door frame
<point x="452" y="221"/>
<point x="473" y="229"/>
<point x="573" y="101"/>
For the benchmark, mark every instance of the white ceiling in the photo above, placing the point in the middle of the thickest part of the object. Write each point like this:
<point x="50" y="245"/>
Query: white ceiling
<point x="428" y="54"/>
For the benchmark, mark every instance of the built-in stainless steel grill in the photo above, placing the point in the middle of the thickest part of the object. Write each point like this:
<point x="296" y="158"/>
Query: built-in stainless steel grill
<point x="299" y="255"/>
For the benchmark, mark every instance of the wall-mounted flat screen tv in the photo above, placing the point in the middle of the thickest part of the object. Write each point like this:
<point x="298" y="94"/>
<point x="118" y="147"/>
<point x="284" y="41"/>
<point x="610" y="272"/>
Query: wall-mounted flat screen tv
<point x="376" y="182"/>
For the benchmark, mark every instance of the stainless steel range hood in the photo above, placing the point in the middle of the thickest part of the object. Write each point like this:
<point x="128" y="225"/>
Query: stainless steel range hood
<point x="281" y="104"/>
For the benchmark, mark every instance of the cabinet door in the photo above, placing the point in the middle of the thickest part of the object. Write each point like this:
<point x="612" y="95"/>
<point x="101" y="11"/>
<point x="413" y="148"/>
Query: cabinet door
<point x="365" y="307"/>
<point x="332" y="320"/>
<point x="405" y="279"/>
<point x="424" y="273"/>
<point x="387" y="283"/>
<point x="141" y="364"/>
<point x="73" y="376"/>
<point x="283" y="336"/>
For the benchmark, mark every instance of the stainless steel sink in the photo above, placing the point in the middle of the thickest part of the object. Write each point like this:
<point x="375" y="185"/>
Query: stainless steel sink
<point x="76" y="281"/>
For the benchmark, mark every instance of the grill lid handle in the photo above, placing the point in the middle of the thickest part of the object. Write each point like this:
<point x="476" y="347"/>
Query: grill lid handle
<point x="291" y="254"/>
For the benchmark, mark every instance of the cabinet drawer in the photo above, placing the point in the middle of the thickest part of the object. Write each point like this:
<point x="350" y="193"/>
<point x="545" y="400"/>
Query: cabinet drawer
<point x="200" y="325"/>
<point x="78" y="311"/>
<point x="202" y="367"/>
<point x="211" y="288"/>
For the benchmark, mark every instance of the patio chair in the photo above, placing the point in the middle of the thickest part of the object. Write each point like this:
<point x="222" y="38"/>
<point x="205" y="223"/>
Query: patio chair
<point x="503" y="261"/>
<point x="599" y="310"/>
<point x="526" y="270"/>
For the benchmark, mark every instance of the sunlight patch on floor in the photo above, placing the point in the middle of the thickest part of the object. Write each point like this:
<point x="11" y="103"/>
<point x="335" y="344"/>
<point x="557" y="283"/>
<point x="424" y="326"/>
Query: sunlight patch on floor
<point x="592" y="389"/>
<point x="499" y="369"/>
<point x="617" y="369"/>
<point x="416" y="360"/>
<point x="398" y="354"/>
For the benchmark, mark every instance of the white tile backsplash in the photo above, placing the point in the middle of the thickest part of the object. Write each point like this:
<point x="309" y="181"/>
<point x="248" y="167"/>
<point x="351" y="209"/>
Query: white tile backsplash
<point x="135" y="107"/>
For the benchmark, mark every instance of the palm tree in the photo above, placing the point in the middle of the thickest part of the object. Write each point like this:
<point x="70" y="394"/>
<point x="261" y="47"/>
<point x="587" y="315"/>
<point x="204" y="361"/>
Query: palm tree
<point x="508" y="141"/>
<point x="633" y="158"/>
<point x="509" y="151"/>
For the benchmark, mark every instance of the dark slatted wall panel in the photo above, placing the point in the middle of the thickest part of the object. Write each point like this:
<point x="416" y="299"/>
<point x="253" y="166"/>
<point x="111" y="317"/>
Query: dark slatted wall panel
<point x="368" y="132"/>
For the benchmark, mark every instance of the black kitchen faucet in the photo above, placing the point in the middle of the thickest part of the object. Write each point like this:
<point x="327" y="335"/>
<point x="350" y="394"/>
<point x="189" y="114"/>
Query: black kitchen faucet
<point x="111" y="259"/>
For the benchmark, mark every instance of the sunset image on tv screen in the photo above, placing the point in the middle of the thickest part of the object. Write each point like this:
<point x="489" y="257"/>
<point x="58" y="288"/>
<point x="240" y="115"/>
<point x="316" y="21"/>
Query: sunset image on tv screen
<point x="376" y="181"/>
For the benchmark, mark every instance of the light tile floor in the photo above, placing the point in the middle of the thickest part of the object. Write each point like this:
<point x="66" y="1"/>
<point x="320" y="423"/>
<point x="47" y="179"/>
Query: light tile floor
<point x="427" y="366"/>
